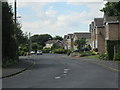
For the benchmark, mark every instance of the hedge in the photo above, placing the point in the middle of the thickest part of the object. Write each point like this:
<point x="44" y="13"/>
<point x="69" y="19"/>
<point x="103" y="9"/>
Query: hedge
<point x="110" y="44"/>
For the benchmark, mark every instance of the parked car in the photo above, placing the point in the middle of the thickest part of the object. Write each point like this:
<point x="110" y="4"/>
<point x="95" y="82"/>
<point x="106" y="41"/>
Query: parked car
<point x="39" y="52"/>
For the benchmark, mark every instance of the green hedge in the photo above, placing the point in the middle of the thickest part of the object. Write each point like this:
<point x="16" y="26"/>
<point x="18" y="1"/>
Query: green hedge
<point x="60" y="51"/>
<point x="110" y="48"/>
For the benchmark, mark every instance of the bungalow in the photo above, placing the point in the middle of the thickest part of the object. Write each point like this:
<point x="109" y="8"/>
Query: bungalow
<point x="50" y="43"/>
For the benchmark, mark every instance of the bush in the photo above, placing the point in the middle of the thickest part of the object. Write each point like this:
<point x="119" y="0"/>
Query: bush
<point x="60" y="51"/>
<point x="110" y="48"/>
<point x="96" y="49"/>
<point x="117" y="56"/>
<point x="103" y="56"/>
<point x="46" y="50"/>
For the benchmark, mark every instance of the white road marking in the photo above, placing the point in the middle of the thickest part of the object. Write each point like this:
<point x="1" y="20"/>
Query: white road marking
<point x="57" y="77"/>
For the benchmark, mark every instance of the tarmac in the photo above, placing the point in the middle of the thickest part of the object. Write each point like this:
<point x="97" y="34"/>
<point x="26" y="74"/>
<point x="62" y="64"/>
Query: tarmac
<point x="26" y="62"/>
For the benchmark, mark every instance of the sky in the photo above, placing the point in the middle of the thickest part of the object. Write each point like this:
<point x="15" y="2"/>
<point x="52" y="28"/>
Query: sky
<point x="56" y="17"/>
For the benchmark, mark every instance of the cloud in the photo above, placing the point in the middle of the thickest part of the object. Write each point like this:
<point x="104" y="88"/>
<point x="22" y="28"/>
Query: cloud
<point x="50" y="21"/>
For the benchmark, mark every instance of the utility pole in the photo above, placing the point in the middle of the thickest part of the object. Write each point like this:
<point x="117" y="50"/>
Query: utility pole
<point x="15" y="8"/>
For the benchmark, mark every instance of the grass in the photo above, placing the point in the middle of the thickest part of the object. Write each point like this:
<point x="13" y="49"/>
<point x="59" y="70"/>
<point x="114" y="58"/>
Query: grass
<point x="117" y="61"/>
<point x="93" y="56"/>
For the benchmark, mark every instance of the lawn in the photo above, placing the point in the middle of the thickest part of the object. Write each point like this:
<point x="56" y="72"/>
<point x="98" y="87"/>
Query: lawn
<point x="93" y="56"/>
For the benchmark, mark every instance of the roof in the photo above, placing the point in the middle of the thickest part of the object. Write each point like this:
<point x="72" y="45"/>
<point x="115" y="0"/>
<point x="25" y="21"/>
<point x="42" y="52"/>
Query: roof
<point x="110" y="19"/>
<point x="53" y="41"/>
<point x="83" y="35"/>
<point x="65" y="36"/>
<point x="98" y="22"/>
<point x="70" y="35"/>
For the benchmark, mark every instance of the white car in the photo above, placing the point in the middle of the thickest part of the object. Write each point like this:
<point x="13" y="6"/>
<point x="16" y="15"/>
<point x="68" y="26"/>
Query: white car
<point x="39" y="52"/>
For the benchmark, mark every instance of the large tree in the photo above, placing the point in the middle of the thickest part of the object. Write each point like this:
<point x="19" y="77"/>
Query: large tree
<point x="58" y="38"/>
<point x="112" y="9"/>
<point x="80" y="43"/>
<point x="9" y="44"/>
<point x="41" y="39"/>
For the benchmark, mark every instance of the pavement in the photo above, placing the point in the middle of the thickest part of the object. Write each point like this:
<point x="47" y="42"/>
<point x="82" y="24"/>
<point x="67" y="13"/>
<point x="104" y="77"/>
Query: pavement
<point x="61" y="71"/>
<point x="24" y="63"/>
<point x="103" y="63"/>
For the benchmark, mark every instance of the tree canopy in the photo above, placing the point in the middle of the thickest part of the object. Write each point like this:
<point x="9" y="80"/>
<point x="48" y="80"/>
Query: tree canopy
<point x="112" y="9"/>
<point x="41" y="39"/>
<point x="58" y="38"/>
<point x="9" y="44"/>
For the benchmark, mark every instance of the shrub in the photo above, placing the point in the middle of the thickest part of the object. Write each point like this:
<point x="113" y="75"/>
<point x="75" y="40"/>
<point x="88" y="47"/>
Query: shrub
<point x="96" y="49"/>
<point x="46" y="50"/>
<point x="60" y="51"/>
<point x="103" y="56"/>
<point x="117" y="56"/>
<point x="110" y="48"/>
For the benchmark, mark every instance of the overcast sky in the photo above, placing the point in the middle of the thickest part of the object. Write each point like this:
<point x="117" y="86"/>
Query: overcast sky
<point x="58" y="18"/>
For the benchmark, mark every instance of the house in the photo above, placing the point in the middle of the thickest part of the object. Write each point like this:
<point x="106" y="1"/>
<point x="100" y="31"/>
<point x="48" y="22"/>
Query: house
<point x="112" y="28"/>
<point x="81" y="35"/>
<point x="97" y="30"/>
<point x="50" y="43"/>
<point x="102" y="29"/>
<point x="68" y="41"/>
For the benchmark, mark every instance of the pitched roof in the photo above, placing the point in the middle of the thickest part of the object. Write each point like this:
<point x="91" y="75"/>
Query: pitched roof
<point x="110" y="19"/>
<point x="70" y="35"/>
<point x="98" y="22"/>
<point x="50" y="41"/>
<point x="83" y="35"/>
<point x="53" y="41"/>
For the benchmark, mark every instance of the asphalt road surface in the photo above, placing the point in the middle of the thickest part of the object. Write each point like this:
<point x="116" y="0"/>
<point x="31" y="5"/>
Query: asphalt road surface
<point x="60" y="71"/>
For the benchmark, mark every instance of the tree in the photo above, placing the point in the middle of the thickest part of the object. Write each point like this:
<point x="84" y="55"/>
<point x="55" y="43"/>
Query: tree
<point x="41" y="39"/>
<point x="35" y="47"/>
<point x="112" y="9"/>
<point x="58" y="38"/>
<point x="9" y="44"/>
<point x="80" y="43"/>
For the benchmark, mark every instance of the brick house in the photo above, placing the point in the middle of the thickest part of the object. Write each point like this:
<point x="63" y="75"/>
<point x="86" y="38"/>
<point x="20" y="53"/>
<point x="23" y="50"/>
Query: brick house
<point x="103" y="29"/>
<point x="98" y="34"/>
<point x="82" y="35"/>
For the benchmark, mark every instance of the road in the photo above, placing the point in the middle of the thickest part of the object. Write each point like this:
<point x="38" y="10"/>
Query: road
<point x="60" y="71"/>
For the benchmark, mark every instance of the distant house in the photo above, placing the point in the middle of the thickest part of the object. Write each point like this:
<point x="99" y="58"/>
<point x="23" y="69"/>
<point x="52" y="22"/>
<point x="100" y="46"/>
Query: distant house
<point x="50" y="43"/>
<point x="81" y="35"/>
<point x="68" y="41"/>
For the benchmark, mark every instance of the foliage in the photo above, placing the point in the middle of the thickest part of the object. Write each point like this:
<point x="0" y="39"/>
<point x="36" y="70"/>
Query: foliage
<point x="80" y="43"/>
<point x="58" y="38"/>
<point x="46" y="50"/>
<point x="9" y="44"/>
<point x="60" y="51"/>
<point x="110" y="48"/>
<point x="35" y="47"/>
<point x="112" y="9"/>
<point x="41" y="39"/>
<point x="103" y="56"/>
<point x="55" y="46"/>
